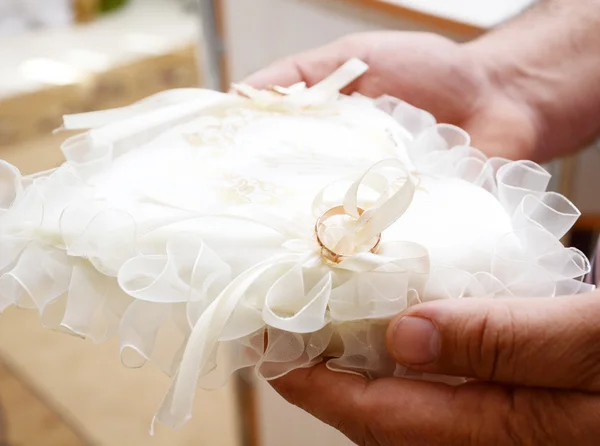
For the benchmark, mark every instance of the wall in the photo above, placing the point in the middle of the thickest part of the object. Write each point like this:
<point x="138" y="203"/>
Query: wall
<point x="258" y="32"/>
<point x="586" y="181"/>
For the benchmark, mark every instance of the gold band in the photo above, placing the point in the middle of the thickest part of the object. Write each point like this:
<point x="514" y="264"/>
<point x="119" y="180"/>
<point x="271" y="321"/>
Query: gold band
<point x="327" y="252"/>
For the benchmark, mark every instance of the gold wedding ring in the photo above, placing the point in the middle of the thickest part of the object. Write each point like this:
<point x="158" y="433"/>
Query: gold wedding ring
<point x="326" y="252"/>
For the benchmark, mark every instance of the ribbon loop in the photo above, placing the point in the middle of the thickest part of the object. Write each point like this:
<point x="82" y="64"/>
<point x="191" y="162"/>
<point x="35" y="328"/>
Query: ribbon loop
<point x="276" y="274"/>
<point x="392" y="201"/>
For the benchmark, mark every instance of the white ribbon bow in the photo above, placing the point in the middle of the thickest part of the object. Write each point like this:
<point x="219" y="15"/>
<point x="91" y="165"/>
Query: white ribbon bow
<point x="286" y="303"/>
<point x="309" y="309"/>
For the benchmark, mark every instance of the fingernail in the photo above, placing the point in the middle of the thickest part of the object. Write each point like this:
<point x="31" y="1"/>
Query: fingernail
<point x="416" y="341"/>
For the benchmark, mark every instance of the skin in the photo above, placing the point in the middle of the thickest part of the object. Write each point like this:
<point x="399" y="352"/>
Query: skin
<point x="528" y="90"/>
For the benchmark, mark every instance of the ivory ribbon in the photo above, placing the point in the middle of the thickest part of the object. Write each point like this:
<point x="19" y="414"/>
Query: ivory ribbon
<point x="205" y="335"/>
<point x="298" y="96"/>
<point x="132" y="126"/>
<point x="386" y="210"/>
<point x="101" y="118"/>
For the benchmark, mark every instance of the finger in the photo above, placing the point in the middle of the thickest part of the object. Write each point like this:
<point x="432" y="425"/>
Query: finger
<point x="332" y="398"/>
<point x="310" y="67"/>
<point x="534" y="342"/>
<point x="373" y="413"/>
<point x="402" y="412"/>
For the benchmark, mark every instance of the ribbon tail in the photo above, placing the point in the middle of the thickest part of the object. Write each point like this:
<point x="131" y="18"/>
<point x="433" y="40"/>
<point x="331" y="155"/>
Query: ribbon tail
<point x="101" y="118"/>
<point x="342" y="77"/>
<point x="176" y="409"/>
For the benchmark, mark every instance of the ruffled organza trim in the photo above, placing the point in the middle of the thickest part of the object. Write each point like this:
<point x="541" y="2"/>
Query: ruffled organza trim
<point x="94" y="271"/>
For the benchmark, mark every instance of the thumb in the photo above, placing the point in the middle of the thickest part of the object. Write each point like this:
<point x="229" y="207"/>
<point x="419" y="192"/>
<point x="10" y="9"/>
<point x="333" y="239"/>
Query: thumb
<point x="546" y="342"/>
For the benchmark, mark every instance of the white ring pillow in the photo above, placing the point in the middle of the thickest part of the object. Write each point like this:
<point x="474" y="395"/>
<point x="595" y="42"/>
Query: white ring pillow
<point x="185" y="224"/>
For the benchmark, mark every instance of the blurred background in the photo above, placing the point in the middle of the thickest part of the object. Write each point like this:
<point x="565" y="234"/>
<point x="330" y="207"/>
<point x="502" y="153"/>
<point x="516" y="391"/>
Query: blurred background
<point x="65" y="56"/>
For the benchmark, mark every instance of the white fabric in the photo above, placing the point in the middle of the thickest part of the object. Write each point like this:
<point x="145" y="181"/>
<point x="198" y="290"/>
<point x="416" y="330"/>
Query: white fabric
<point x="186" y="225"/>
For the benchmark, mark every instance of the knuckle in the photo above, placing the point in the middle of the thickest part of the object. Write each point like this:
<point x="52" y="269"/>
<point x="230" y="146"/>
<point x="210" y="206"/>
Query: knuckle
<point x="493" y="348"/>
<point x="586" y="350"/>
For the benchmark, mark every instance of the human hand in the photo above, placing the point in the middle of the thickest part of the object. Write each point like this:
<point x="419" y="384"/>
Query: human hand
<point x="535" y="365"/>
<point x="454" y="82"/>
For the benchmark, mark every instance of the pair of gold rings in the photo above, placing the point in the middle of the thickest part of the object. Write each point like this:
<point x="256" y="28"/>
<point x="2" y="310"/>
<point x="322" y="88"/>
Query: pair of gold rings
<point x="327" y="252"/>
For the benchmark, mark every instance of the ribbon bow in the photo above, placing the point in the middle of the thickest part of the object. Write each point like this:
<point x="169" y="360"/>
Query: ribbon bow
<point x="287" y="305"/>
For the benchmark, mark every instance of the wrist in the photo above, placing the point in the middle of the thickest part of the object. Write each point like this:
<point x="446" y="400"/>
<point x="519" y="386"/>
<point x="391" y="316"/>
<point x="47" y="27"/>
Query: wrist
<point x="546" y="64"/>
<point x="511" y="81"/>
